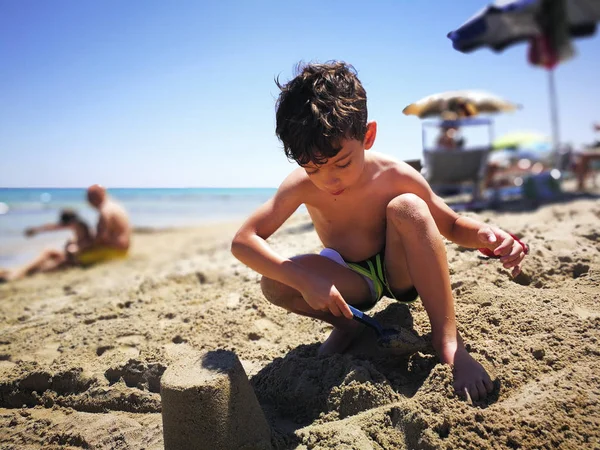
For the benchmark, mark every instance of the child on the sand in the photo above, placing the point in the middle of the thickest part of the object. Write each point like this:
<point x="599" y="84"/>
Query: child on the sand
<point x="52" y="259"/>
<point x="378" y="219"/>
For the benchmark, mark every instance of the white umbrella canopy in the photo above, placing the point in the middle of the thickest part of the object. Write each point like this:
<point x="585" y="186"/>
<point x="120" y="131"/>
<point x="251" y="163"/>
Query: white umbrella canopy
<point x="463" y="103"/>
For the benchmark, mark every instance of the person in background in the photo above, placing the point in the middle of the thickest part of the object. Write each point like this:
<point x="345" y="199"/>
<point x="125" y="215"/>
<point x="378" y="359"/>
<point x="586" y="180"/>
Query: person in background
<point x="111" y="241"/>
<point x="113" y="232"/>
<point x="449" y="138"/>
<point x="52" y="259"/>
<point x="586" y="162"/>
<point x="446" y="140"/>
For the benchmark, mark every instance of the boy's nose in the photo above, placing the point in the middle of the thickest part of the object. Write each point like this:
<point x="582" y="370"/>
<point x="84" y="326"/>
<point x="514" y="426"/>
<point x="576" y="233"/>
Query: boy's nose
<point x="332" y="183"/>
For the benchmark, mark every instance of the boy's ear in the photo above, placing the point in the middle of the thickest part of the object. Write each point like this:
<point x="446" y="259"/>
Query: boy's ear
<point x="370" y="135"/>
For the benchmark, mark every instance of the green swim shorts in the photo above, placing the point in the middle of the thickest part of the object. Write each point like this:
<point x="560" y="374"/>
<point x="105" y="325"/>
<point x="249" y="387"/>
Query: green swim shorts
<point x="373" y="270"/>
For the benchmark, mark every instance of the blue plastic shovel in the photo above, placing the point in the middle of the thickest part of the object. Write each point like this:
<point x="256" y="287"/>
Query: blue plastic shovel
<point x="401" y="340"/>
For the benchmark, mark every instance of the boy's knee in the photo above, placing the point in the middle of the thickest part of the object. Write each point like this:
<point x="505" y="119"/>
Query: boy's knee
<point x="274" y="291"/>
<point x="408" y="208"/>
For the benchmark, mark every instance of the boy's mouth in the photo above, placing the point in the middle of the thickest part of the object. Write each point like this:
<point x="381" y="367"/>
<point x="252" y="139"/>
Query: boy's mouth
<point x="338" y="192"/>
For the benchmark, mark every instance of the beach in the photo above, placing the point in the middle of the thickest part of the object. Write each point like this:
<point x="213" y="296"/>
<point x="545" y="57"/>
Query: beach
<point x="82" y="351"/>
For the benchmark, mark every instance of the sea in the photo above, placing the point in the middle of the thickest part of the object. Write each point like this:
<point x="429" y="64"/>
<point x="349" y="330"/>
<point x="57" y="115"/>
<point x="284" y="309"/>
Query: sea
<point x="148" y="208"/>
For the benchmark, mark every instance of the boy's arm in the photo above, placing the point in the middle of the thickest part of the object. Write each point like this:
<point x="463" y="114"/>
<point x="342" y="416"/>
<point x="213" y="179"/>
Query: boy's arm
<point x="465" y="231"/>
<point x="249" y="244"/>
<point x="250" y="247"/>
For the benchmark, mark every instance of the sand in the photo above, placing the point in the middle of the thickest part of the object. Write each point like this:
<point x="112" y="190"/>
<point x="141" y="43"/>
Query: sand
<point x="82" y="351"/>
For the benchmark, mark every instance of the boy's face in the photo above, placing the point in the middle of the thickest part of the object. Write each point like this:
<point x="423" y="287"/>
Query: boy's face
<point x="344" y="169"/>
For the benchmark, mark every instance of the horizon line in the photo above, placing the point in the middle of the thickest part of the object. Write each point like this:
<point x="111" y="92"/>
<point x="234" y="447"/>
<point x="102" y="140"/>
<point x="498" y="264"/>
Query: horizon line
<point x="140" y="187"/>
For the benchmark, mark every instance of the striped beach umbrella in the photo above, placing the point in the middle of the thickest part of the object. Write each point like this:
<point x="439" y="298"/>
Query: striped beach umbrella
<point x="465" y="103"/>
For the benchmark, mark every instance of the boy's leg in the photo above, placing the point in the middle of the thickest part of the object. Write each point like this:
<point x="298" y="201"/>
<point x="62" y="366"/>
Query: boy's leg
<point x="415" y="255"/>
<point x="46" y="261"/>
<point x="352" y="286"/>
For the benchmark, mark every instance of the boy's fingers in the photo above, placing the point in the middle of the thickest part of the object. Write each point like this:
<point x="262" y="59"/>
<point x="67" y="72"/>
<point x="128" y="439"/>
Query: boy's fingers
<point x="335" y="310"/>
<point x="508" y="263"/>
<point x="514" y="262"/>
<point x="515" y="251"/>
<point x="341" y="307"/>
<point x="516" y="271"/>
<point x="489" y="386"/>
<point x="481" y="390"/>
<point x="510" y="258"/>
<point x="504" y="248"/>
<point x="344" y="309"/>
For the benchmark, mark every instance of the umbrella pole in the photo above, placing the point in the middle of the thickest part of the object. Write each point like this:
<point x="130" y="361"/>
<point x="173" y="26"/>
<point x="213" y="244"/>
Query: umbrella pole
<point x="553" y="112"/>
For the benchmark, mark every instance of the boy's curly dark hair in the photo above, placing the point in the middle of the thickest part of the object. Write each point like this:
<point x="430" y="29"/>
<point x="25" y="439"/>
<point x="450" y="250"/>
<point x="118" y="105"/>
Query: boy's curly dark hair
<point x="320" y="106"/>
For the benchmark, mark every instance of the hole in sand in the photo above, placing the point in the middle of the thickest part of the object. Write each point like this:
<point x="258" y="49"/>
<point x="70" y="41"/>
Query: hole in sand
<point x="103" y="349"/>
<point x="254" y="336"/>
<point x="580" y="269"/>
<point x="178" y="339"/>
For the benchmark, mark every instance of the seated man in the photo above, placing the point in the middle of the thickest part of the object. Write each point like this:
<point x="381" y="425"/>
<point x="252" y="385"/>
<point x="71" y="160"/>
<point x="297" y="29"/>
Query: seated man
<point x="113" y="231"/>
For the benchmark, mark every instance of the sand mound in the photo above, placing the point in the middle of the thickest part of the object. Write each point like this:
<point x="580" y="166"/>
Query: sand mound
<point x="82" y="352"/>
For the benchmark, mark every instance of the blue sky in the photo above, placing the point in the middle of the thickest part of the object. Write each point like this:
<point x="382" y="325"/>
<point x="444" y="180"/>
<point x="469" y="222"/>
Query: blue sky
<point x="153" y="93"/>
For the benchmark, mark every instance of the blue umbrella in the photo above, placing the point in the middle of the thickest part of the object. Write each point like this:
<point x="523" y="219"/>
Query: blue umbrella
<point x="548" y="25"/>
<point x="506" y="22"/>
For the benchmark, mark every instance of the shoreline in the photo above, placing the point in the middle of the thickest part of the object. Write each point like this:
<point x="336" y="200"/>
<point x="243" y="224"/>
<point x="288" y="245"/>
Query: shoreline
<point x="24" y="249"/>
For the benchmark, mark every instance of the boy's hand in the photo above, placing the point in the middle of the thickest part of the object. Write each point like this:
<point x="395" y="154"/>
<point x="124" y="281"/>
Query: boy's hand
<point x="322" y="295"/>
<point x="509" y="250"/>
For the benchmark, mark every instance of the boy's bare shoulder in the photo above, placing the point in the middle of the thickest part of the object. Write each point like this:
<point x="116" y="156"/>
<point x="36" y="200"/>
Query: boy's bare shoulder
<point x="296" y="183"/>
<point x="394" y="169"/>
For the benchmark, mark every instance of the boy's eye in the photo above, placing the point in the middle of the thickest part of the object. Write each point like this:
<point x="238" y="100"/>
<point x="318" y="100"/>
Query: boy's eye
<point x="344" y="165"/>
<point x="311" y="172"/>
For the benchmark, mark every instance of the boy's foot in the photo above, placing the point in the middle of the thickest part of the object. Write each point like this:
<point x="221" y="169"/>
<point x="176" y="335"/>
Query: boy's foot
<point x="469" y="375"/>
<point x="340" y="339"/>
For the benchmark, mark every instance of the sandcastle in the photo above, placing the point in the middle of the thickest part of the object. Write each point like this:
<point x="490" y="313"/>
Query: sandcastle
<point x="208" y="403"/>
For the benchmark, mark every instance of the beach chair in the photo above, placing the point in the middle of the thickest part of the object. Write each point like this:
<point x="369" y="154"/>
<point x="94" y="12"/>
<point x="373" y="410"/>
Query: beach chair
<point x="452" y="168"/>
<point x="448" y="170"/>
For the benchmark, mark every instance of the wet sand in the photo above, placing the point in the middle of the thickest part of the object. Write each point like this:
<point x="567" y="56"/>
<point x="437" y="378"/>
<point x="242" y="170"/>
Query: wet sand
<point x="82" y="351"/>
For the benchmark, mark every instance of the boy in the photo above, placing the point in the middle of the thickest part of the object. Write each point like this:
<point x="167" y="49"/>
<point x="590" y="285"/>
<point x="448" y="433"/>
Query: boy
<point x="370" y="211"/>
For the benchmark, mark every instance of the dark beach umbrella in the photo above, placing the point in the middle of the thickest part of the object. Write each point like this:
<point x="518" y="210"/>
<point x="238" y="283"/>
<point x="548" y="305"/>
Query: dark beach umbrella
<point x="548" y="25"/>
